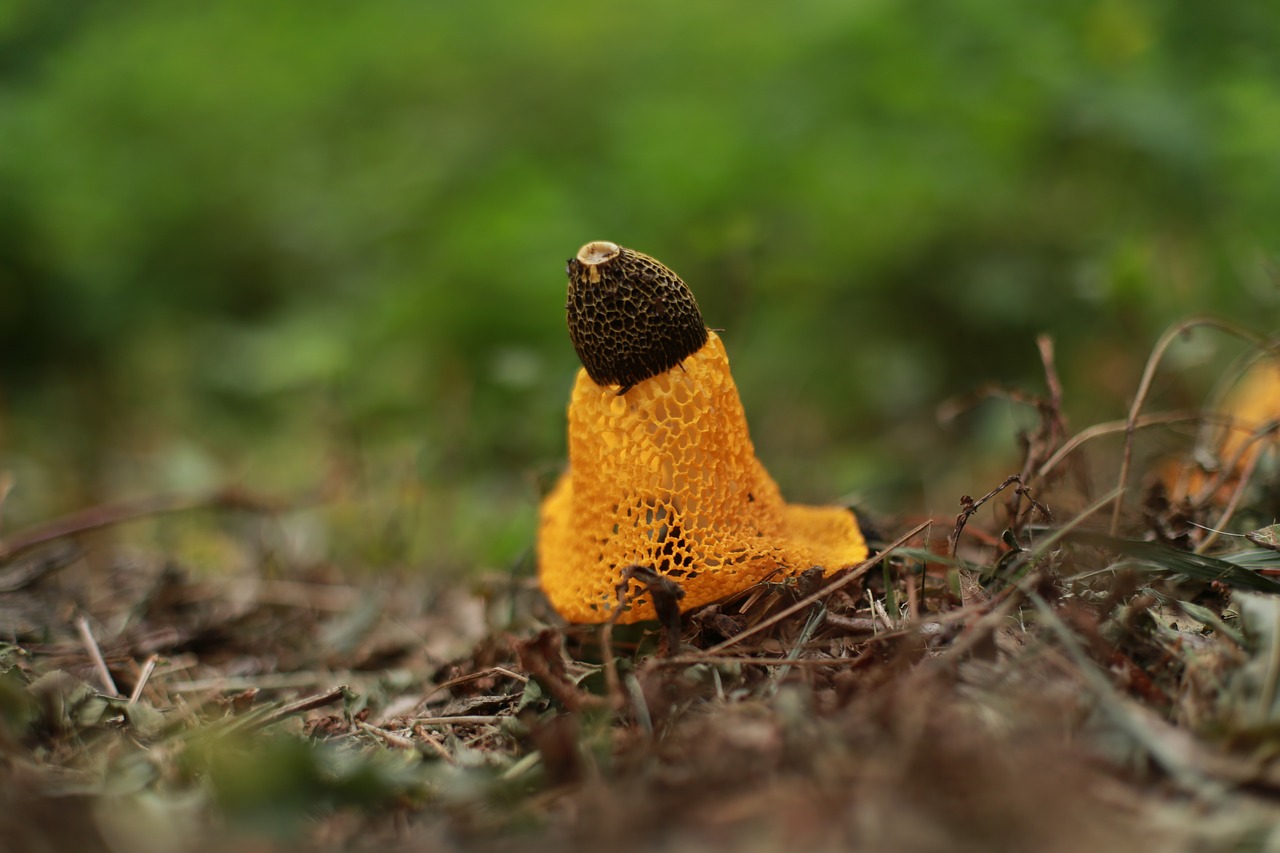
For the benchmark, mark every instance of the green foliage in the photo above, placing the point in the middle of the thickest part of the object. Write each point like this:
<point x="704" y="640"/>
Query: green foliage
<point x="1238" y="570"/>
<point x="244" y="237"/>
<point x="271" y="785"/>
<point x="17" y="707"/>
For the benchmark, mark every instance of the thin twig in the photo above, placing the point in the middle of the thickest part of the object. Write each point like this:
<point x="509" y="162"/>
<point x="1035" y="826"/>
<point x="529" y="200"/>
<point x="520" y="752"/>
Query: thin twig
<point x="933" y="626"/>
<point x="301" y="706"/>
<point x="988" y="623"/>
<point x="853" y="624"/>
<point x="147" y="668"/>
<point x="1109" y="427"/>
<point x="968" y="506"/>
<point x="425" y="738"/>
<point x="270" y="681"/>
<point x="950" y="409"/>
<point x="471" y="676"/>
<point x="1040" y="443"/>
<point x="466" y="719"/>
<point x="913" y="598"/>
<point x="827" y="590"/>
<point x="747" y="660"/>
<point x="878" y="608"/>
<point x="95" y="654"/>
<point x="21" y="573"/>
<point x="1044" y="344"/>
<point x="390" y="738"/>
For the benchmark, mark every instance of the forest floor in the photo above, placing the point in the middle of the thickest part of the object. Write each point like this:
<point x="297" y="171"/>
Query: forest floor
<point x="1016" y="678"/>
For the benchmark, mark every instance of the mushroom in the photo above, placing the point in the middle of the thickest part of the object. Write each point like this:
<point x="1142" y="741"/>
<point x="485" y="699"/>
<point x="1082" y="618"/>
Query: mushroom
<point x="662" y="474"/>
<point x="1230" y="450"/>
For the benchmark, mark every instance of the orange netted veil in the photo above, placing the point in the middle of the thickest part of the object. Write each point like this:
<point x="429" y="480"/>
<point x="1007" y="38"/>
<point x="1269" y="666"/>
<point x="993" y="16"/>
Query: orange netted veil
<point x="664" y="476"/>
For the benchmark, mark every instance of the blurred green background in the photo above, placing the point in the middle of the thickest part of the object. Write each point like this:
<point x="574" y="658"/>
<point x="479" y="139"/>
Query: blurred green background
<point x="296" y="243"/>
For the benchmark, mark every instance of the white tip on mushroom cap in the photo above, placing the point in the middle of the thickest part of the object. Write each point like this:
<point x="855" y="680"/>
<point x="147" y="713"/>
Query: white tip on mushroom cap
<point x="597" y="252"/>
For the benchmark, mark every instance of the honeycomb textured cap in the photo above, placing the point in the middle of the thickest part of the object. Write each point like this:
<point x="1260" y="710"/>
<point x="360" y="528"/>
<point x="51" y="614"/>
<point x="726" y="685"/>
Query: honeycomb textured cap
<point x="629" y="316"/>
<point x="666" y="477"/>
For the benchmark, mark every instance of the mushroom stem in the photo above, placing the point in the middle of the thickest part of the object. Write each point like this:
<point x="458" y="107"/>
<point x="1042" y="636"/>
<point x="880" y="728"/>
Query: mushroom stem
<point x="630" y="318"/>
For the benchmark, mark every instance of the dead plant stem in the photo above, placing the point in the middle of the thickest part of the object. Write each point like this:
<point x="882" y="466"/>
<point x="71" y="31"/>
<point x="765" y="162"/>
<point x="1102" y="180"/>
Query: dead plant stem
<point x="95" y="654"/>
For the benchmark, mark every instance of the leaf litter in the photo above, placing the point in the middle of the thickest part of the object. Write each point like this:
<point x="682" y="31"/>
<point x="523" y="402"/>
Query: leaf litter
<point x="1057" y="668"/>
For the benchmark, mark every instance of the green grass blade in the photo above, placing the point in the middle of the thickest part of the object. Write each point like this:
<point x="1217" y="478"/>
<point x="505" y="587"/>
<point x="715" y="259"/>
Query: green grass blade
<point x="1159" y="557"/>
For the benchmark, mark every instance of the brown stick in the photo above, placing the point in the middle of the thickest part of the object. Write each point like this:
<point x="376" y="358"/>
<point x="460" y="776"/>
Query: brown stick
<point x="969" y="507"/>
<point x="95" y="654"/>
<point x="147" y="668"/>
<point x="1045" y="344"/>
<point x="301" y="706"/>
<point x="1041" y="443"/>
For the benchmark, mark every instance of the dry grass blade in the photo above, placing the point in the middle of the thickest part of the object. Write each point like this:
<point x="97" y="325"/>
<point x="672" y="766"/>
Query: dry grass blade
<point x="971" y="506"/>
<point x="95" y="654"/>
<point x="1255" y="559"/>
<point x="390" y="738"/>
<point x="145" y="676"/>
<point x="461" y="720"/>
<point x="987" y="624"/>
<point x="1111" y="428"/>
<point x="300" y="706"/>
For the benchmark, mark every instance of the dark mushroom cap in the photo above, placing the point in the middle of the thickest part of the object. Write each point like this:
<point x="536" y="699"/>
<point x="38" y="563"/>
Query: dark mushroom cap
<point x="630" y="318"/>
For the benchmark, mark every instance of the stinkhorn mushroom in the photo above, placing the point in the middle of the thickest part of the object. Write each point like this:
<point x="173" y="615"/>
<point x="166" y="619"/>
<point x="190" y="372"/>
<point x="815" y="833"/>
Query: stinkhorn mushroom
<point x="1234" y="447"/>
<point x="662" y="474"/>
